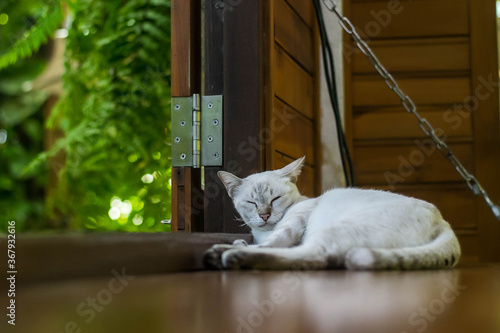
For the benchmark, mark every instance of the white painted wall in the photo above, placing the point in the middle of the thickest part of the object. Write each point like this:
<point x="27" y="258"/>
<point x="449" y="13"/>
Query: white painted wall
<point x="331" y="168"/>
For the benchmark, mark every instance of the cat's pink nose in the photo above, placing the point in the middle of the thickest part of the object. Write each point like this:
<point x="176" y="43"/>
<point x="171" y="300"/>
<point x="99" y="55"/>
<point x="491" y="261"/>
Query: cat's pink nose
<point x="265" y="217"/>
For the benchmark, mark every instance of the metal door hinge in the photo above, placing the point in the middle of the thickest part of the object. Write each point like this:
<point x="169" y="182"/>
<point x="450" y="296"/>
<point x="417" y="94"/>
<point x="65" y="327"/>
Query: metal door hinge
<point x="197" y="131"/>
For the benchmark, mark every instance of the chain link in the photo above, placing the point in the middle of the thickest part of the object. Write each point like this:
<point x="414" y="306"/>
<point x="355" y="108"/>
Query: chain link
<point x="409" y="105"/>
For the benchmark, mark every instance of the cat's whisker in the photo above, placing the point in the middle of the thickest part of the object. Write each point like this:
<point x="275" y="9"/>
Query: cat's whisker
<point x="239" y="219"/>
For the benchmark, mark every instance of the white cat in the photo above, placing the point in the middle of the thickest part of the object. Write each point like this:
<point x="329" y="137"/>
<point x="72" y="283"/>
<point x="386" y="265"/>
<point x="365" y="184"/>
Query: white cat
<point x="352" y="228"/>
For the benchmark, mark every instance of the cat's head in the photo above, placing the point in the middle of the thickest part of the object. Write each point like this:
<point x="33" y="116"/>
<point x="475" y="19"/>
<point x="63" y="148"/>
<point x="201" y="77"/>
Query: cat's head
<point x="262" y="199"/>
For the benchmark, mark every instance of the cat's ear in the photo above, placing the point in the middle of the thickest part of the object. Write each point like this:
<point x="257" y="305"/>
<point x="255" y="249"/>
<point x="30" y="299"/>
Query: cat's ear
<point x="292" y="170"/>
<point x="230" y="181"/>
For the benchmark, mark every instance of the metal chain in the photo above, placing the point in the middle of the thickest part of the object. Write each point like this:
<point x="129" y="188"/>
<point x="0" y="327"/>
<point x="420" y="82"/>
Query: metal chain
<point x="408" y="104"/>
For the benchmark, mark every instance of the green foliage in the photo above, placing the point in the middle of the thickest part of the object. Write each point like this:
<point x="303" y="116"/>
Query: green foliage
<point x="21" y="123"/>
<point x="21" y="130"/>
<point x="25" y="44"/>
<point x="115" y="114"/>
<point x="115" y="111"/>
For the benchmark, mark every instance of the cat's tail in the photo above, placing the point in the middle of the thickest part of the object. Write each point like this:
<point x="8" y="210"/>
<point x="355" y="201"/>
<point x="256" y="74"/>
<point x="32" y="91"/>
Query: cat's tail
<point x="442" y="252"/>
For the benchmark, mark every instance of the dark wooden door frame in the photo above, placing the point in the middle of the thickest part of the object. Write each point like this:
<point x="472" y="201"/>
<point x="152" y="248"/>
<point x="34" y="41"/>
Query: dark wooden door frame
<point x="187" y="212"/>
<point x="233" y="67"/>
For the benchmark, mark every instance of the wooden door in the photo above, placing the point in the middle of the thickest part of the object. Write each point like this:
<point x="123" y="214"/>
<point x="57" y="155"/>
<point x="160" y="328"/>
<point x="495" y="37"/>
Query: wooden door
<point x="262" y="57"/>
<point x="443" y="54"/>
<point x="292" y="85"/>
<point x="220" y="57"/>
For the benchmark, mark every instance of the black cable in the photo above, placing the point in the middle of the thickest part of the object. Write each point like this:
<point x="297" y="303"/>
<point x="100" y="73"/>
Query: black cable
<point x="329" y="70"/>
<point x="332" y="90"/>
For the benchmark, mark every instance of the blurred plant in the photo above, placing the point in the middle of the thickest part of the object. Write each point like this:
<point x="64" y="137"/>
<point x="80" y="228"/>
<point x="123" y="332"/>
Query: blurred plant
<point x="21" y="122"/>
<point x="114" y="112"/>
<point x="41" y="21"/>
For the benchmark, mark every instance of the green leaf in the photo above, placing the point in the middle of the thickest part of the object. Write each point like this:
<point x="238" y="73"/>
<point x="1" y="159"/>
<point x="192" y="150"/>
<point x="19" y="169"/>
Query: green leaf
<point x="31" y="41"/>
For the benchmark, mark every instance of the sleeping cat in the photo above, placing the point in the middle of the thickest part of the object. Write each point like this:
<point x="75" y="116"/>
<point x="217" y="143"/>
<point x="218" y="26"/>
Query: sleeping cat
<point x="352" y="228"/>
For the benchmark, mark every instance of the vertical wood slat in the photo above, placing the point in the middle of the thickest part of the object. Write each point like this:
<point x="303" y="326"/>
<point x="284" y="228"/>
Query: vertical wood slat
<point x="239" y="46"/>
<point x="318" y="160"/>
<point x="348" y="87"/>
<point x="187" y="200"/>
<point x="213" y="84"/>
<point x="243" y="94"/>
<point x="233" y="67"/>
<point x="270" y="80"/>
<point x="185" y="45"/>
<point x="186" y="61"/>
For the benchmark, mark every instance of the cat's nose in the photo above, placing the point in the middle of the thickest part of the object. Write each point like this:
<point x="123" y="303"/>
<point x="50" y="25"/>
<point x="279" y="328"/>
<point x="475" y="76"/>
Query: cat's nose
<point x="265" y="217"/>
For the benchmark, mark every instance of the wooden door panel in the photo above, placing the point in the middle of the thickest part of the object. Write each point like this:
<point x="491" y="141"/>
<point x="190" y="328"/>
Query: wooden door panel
<point x="293" y="35"/>
<point x="396" y="123"/>
<point x="292" y="89"/>
<point x="417" y="55"/>
<point x="484" y="59"/>
<point x="293" y="133"/>
<point x="233" y="67"/>
<point x="455" y="201"/>
<point x="305" y="9"/>
<point x="306" y="182"/>
<point x="371" y="165"/>
<point x="373" y="91"/>
<point x="442" y="52"/>
<point x="411" y="18"/>
<point x="261" y="56"/>
<point x="292" y="84"/>
<point x="469" y="244"/>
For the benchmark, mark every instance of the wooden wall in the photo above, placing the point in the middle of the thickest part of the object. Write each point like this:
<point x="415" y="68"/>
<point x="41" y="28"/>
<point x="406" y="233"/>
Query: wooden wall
<point x="432" y="47"/>
<point x="291" y="85"/>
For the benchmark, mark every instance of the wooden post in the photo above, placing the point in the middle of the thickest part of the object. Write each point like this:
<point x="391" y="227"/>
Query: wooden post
<point x="187" y="212"/>
<point x="233" y="67"/>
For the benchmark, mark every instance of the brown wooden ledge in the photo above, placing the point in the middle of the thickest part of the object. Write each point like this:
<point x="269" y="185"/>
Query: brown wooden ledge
<point x="40" y="258"/>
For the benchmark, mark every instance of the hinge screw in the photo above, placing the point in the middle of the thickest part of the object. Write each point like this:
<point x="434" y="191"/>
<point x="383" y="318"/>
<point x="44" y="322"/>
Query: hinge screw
<point x="210" y="139"/>
<point x="216" y="155"/>
<point x="183" y="156"/>
<point x="210" y="105"/>
<point x="215" y="122"/>
<point x="177" y="107"/>
<point x="183" y="123"/>
<point x="177" y="139"/>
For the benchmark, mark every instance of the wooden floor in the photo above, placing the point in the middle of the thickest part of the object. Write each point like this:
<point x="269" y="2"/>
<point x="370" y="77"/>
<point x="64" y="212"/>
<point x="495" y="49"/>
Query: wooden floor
<point x="466" y="299"/>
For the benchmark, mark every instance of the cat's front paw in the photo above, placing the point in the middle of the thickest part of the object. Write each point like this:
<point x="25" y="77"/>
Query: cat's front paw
<point x="212" y="258"/>
<point x="240" y="242"/>
<point x="238" y="259"/>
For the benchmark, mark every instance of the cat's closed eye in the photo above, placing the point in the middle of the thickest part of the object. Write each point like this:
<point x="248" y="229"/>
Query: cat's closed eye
<point x="252" y="203"/>
<point x="275" y="199"/>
